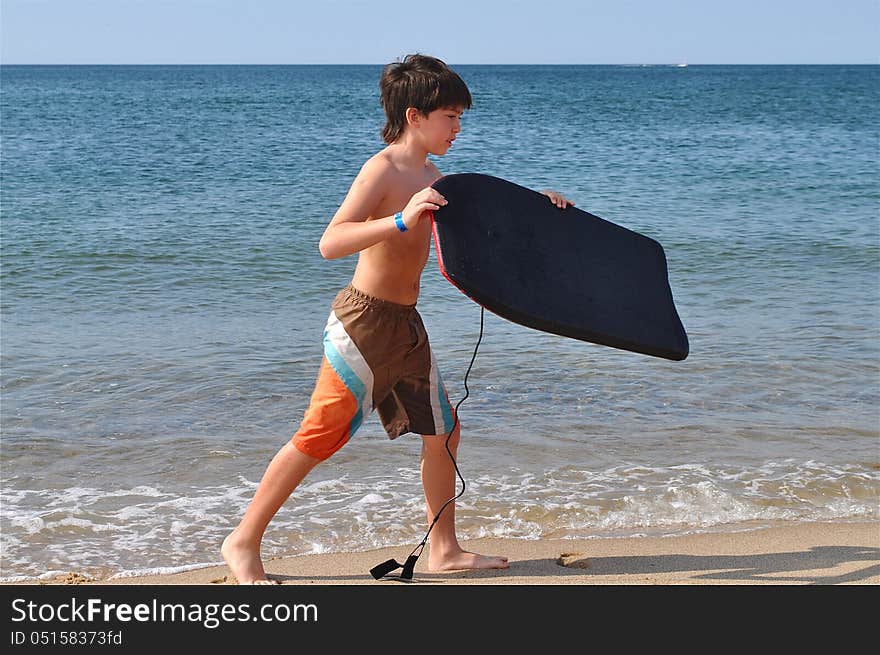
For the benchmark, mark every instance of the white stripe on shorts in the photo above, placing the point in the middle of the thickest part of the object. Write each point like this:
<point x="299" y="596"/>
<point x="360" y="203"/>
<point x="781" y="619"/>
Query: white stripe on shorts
<point x="348" y="350"/>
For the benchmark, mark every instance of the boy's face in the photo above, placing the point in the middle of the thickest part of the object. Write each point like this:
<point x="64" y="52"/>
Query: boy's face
<point x="439" y="128"/>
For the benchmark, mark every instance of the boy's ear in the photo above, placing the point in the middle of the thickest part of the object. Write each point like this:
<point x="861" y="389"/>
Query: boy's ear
<point x="413" y="116"/>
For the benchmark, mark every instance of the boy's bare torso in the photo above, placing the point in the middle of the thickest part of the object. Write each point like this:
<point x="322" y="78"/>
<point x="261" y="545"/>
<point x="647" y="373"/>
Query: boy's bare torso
<point x="392" y="268"/>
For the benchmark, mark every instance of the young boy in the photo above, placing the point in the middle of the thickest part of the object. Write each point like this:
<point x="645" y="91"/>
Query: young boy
<point x="376" y="352"/>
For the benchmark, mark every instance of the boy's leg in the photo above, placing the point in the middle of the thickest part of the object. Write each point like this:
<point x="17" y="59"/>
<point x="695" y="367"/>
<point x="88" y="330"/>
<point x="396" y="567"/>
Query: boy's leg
<point x="333" y="415"/>
<point x="438" y="480"/>
<point x="241" y="549"/>
<point x="421" y="403"/>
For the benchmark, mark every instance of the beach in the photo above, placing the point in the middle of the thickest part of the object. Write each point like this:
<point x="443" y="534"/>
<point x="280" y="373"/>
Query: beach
<point x="164" y="302"/>
<point x="824" y="553"/>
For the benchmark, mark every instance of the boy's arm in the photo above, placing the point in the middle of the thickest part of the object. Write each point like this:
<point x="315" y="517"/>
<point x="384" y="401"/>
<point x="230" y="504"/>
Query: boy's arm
<point x="349" y="231"/>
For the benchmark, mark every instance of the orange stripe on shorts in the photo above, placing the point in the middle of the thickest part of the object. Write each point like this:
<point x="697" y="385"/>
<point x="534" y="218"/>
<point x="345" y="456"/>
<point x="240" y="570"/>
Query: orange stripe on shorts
<point x="326" y="426"/>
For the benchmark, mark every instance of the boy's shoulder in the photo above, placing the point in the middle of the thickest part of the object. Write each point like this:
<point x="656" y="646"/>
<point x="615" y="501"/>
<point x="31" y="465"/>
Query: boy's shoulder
<point x="383" y="162"/>
<point x="379" y="163"/>
<point x="376" y="173"/>
<point x="382" y="168"/>
<point x="378" y="169"/>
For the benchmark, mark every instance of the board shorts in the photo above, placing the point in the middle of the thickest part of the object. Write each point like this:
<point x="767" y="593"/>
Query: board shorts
<point x="376" y="356"/>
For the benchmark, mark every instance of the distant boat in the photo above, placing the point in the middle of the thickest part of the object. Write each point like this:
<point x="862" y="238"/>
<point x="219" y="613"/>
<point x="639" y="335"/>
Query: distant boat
<point x="681" y="65"/>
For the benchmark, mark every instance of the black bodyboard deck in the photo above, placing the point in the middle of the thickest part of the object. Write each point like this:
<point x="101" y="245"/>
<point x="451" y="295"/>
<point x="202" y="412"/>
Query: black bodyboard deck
<point x="563" y="271"/>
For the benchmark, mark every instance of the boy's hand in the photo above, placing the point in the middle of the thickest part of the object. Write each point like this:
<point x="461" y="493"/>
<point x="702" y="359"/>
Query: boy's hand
<point x="428" y="199"/>
<point x="557" y="199"/>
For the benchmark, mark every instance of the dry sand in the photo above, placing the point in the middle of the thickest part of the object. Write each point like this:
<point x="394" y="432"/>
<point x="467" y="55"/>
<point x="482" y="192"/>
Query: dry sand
<point x="804" y="553"/>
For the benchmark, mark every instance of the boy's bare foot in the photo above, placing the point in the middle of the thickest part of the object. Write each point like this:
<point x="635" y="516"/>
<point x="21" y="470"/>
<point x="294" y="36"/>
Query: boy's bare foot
<point x="243" y="562"/>
<point x="462" y="559"/>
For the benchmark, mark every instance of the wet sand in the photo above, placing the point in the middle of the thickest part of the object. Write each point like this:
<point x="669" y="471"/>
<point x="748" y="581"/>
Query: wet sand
<point x="803" y="553"/>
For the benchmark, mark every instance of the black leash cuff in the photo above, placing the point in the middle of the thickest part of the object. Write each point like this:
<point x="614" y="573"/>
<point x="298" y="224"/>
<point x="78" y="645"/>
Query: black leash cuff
<point x="383" y="569"/>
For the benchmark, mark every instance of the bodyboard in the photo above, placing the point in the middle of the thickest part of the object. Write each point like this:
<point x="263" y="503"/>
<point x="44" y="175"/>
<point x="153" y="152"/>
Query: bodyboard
<point x="563" y="271"/>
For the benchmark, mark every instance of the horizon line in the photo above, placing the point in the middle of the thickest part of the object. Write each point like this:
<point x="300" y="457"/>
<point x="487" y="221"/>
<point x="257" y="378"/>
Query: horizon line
<point x="672" y="64"/>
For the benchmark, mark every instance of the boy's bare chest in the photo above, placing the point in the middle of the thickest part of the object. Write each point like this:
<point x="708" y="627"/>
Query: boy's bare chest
<point x="402" y="187"/>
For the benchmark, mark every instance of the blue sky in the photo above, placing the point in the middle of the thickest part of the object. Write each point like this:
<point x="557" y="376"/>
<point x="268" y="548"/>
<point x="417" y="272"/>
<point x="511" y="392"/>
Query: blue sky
<point x="458" y="31"/>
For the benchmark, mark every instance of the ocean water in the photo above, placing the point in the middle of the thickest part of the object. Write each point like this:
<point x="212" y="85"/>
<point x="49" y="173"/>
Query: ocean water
<point x="163" y="301"/>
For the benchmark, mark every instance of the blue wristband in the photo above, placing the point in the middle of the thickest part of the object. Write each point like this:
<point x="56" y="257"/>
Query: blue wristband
<point x="398" y="221"/>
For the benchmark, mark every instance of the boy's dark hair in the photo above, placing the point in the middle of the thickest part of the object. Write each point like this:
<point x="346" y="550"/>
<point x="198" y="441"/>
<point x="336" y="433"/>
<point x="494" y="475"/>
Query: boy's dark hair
<point x="419" y="81"/>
